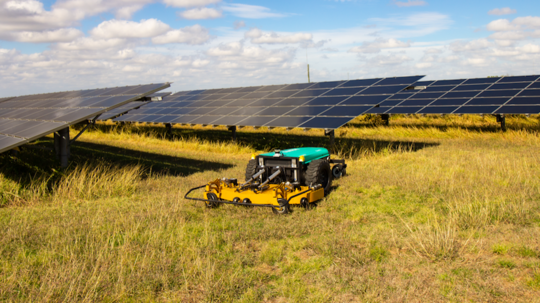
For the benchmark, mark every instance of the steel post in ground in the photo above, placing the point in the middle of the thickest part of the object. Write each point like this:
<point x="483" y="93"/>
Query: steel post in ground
<point x="233" y="129"/>
<point x="331" y="134"/>
<point x="502" y="120"/>
<point x="57" y="145"/>
<point x="168" y="126"/>
<point x="386" y="119"/>
<point x="64" y="146"/>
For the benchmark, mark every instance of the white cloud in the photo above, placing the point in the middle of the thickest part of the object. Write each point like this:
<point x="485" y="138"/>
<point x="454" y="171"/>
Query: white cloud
<point x="193" y="35"/>
<point x="239" y="24"/>
<point x="502" y="11"/>
<point x="129" y="29"/>
<point x="251" y="11"/>
<point x="501" y="25"/>
<point x="378" y="44"/>
<point x="59" y="35"/>
<point x="201" y="13"/>
<point x="475" y="45"/>
<point x="259" y="37"/>
<point x="410" y="3"/>
<point x="87" y="43"/>
<point x="190" y="3"/>
<point x="123" y="9"/>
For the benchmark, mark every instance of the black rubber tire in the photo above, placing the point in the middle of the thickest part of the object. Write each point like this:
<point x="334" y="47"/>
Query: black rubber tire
<point x="337" y="171"/>
<point x="319" y="172"/>
<point x="282" y="210"/>
<point x="305" y="204"/>
<point x="251" y="168"/>
<point x="211" y="196"/>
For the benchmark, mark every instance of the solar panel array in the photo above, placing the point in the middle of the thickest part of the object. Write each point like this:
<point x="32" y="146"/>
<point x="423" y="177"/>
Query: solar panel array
<point x="26" y="118"/>
<point x="498" y="95"/>
<point x="121" y="110"/>
<point x="326" y="105"/>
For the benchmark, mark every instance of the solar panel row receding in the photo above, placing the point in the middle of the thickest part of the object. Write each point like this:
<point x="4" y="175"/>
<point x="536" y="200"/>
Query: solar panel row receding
<point x="499" y="95"/>
<point x="26" y="118"/>
<point x="326" y="105"/>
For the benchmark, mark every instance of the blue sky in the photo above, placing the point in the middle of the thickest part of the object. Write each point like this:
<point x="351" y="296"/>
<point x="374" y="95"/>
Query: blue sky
<point x="74" y="44"/>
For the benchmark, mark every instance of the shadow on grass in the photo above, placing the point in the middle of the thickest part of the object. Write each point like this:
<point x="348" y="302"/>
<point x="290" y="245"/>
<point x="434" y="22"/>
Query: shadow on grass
<point x="31" y="163"/>
<point x="272" y="140"/>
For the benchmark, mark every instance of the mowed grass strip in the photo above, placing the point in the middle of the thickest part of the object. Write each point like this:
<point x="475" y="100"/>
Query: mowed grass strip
<point x="428" y="212"/>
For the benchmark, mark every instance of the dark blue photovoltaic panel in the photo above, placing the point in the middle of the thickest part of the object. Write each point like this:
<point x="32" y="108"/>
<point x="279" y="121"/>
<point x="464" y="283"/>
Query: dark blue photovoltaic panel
<point x="488" y="101"/>
<point x="404" y="110"/>
<point x="476" y="110"/>
<point x="298" y="86"/>
<point x="416" y="102"/>
<point x="427" y="95"/>
<point x="344" y="91"/>
<point x="256" y="121"/>
<point x="281" y="103"/>
<point x="520" y="85"/>
<point x="364" y="100"/>
<point x="400" y="80"/>
<point x="326" y="101"/>
<point x="476" y="87"/>
<point x="33" y="116"/>
<point x="293" y="101"/>
<point x="332" y="84"/>
<point x="275" y="111"/>
<point x="519" y="110"/>
<point x="524" y="101"/>
<point x="438" y="110"/>
<point x="499" y="93"/>
<point x="535" y="85"/>
<point x="346" y="111"/>
<point x="247" y="111"/>
<point x="518" y="79"/>
<point x="381" y="90"/>
<point x="229" y="120"/>
<point x="311" y="93"/>
<point x="391" y="102"/>
<point x="439" y="88"/>
<point x="287" y="121"/>
<point x="530" y="93"/>
<point x="403" y="95"/>
<point x="366" y="82"/>
<point x="460" y="94"/>
<point x="482" y="81"/>
<point x="325" y="122"/>
<point x="307" y="111"/>
<point x="378" y="110"/>
<point x="448" y="82"/>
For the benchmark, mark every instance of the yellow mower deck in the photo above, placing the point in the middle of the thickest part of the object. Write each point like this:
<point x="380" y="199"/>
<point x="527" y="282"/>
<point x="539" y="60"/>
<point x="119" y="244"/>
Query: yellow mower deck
<point x="268" y="196"/>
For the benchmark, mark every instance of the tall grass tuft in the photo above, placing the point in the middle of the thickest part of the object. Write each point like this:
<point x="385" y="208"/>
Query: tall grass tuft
<point x="89" y="182"/>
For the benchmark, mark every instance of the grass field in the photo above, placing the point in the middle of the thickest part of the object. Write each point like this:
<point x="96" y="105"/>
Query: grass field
<point x="433" y="209"/>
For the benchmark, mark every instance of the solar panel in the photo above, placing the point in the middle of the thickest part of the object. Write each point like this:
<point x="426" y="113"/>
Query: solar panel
<point x="498" y="95"/>
<point x="26" y="118"/>
<point x="325" y="105"/>
<point x="121" y="110"/>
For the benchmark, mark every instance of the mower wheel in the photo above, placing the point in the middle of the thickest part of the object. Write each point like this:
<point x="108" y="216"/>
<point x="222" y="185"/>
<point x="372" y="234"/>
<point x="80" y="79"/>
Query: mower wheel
<point x="305" y="203"/>
<point x="209" y="204"/>
<point x="247" y="201"/>
<point x="283" y="209"/>
<point x="337" y="171"/>
<point x="319" y="172"/>
<point x="251" y="168"/>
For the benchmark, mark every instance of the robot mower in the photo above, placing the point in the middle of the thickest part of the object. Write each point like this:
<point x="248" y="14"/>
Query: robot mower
<point x="279" y="180"/>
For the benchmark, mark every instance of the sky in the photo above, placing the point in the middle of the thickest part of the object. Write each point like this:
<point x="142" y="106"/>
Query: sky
<point x="62" y="45"/>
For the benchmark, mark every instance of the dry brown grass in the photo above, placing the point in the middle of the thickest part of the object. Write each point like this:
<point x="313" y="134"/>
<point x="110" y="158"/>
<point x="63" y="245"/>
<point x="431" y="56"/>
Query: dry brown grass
<point x="454" y="221"/>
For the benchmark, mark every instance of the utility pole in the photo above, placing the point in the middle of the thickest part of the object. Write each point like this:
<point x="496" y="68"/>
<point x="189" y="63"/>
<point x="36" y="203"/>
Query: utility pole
<point x="308" y="79"/>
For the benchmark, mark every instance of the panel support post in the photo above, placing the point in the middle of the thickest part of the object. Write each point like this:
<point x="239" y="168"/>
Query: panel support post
<point x="64" y="146"/>
<point x="233" y="129"/>
<point x="331" y="134"/>
<point x="502" y="120"/>
<point x="57" y="145"/>
<point x="168" y="126"/>
<point x="386" y="119"/>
